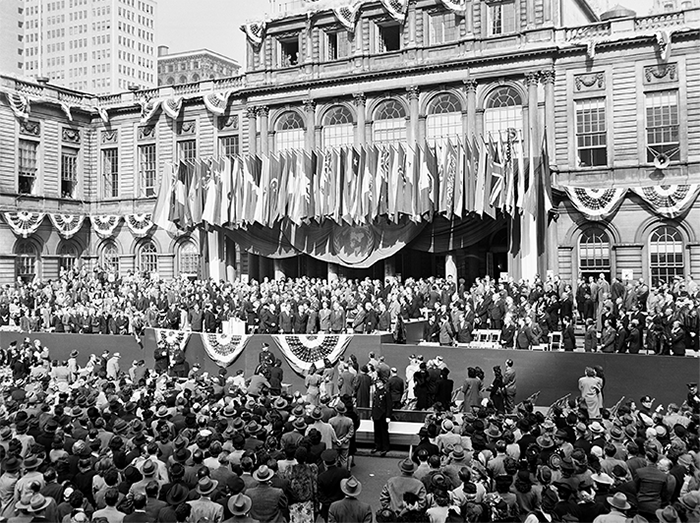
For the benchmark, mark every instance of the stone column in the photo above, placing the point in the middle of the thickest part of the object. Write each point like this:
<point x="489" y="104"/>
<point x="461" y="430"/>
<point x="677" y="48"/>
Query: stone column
<point x="360" y="101"/>
<point x="263" y="113"/>
<point x="309" y="135"/>
<point x="529" y="228"/>
<point x="470" y="86"/>
<point x="414" y="112"/>
<point x="251" y="113"/>
<point x="451" y="266"/>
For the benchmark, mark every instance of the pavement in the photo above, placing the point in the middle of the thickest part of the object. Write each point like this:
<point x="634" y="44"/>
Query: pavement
<point x="373" y="472"/>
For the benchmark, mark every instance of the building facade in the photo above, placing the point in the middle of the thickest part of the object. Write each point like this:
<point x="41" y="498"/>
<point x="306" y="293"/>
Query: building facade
<point x="12" y="36"/>
<point x="193" y="66"/>
<point x="101" y="46"/>
<point x="616" y="103"/>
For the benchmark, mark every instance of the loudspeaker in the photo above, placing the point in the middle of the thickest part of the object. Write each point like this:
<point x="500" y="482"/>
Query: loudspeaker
<point x="661" y="161"/>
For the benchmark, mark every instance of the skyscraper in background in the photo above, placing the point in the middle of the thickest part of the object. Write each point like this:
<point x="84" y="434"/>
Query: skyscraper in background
<point x="11" y="36"/>
<point x="99" y="46"/>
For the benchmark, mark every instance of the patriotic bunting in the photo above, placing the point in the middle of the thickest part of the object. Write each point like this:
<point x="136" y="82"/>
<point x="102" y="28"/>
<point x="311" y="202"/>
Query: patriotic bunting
<point x="595" y="204"/>
<point x="172" y="106"/>
<point x="397" y="9"/>
<point x="67" y="111"/>
<point x="67" y="225"/>
<point x="139" y="224"/>
<point x="104" y="225"/>
<point x="104" y="115"/>
<point x="347" y="14"/>
<point x="224" y="349"/>
<point x="173" y="340"/>
<point x="149" y="108"/>
<point x="255" y="31"/>
<point x="216" y="102"/>
<point x="669" y="201"/>
<point x="20" y="105"/>
<point x="457" y="6"/>
<point x="302" y="351"/>
<point x="24" y="223"/>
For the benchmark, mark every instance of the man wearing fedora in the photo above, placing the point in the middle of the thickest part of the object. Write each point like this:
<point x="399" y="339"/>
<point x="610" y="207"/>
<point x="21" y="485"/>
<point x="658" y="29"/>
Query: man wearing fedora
<point x="350" y="509"/>
<point x="344" y="431"/>
<point x="110" y="512"/>
<point x="204" y="507"/>
<point x="240" y="505"/>
<point x="268" y="502"/>
<point x="35" y="507"/>
<point x="618" y="506"/>
<point x="329" y="481"/>
<point x="395" y="488"/>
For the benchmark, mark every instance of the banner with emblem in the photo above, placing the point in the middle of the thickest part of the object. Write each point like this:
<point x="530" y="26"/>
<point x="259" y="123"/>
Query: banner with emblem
<point x="24" y="223"/>
<point x="595" y="204"/>
<point x="105" y="224"/>
<point x="139" y="224"/>
<point x="301" y="351"/>
<point x="224" y="349"/>
<point x="172" y="339"/>
<point x="67" y="225"/>
<point x="669" y="201"/>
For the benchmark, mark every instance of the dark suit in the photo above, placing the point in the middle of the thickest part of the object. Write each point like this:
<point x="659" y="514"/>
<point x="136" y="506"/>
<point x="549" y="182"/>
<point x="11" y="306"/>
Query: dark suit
<point x="396" y="387"/>
<point x="138" y="517"/>
<point x="269" y="503"/>
<point x="381" y="411"/>
<point x="350" y="510"/>
<point x="329" y="487"/>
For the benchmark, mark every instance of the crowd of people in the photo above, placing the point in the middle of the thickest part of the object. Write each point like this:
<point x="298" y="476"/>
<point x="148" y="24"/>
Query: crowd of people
<point x="595" y="314"/>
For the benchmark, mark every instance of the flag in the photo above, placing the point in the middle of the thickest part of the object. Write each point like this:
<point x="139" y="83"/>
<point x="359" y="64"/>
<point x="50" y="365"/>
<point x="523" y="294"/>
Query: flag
<point x="369" y="182"/>
<point x="494" y="172"/>
<point x="212" y="205"/>
<point x="397" y="173"/>
<point x="448" y="179"/>
<point x="273" y="192"/>
<point x="339" y="183"/>
<point x="161" y="211"/>
<point x="480" y="193"/>
<point x="407" y="197"/>
<point x="426" y="182"/>
<point x="469" y="177"/>
<point x="356" y="208"/>
<point x="283" y="190"/>
<point x="194" y="197"/>
<point x="539" y="196"/>
<point x="178" y="212"/>
<point x="509" y="172"/>
<point x="458" y="199"/>
<point x="261" y="210"/>
<point x="380" y="190"/>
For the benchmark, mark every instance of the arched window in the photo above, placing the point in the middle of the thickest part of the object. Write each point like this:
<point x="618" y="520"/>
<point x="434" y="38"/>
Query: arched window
<point x="338" y="128"/>
<point x="188" y="259"/>
<point x="27" y="261"/>
<point x="110" y="257"/>
<point x="289" y="132"/>
<point x="68" y="256"/>
<point x="594" y="252"/>
<point x="666" y="255"/>
<point x="183" y="79"/>
<point x="389" y="122"/>
<point x="444" y="118"/>
<point x="195" y="77"/>
<point x="504" y="111"/>
<point x="148" y="257"/>
<point x="170" y="80"/>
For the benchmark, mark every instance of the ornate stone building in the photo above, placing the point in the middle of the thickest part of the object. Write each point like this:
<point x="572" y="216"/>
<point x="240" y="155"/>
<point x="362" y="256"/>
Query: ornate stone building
<point x="616" y="102"/>
<point x="193" y="66"/>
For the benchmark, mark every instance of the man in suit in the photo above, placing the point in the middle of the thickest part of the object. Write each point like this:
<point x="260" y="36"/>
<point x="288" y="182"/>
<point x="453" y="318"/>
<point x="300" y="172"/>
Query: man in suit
<point x="381" y="414"/>
<point x="329" y="481"/>
<point x="268" y="502"/>
<point x="608" y="337"/>
<point x="396" y="388"/>
<point x="337" y="319"/>
<point x="509" y="384"/>
<point x="204" y="507"/>
<point x="350" y="509"/>
<point x="139" y="514"/>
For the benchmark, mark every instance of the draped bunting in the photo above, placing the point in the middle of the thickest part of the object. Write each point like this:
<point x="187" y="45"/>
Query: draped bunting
<point x="443" y="235"/>
<point x="104" y="225"/>
<point x="347" y="14"/>
<point x="216" y="102"/>
<point x="20" y="105"/>
<point x="458" y="6"/>
<point x="67" y="111"/>
<point x="663" y="40"/>
<point x="173" y="340"/>
<point x="24" y="223"/>
<point x="255" y="31"/>
<point x="148" y="109"/>
<point x="172" y="106"/>
<point x="67" y="225"/>
<point x="139" y="224"/>
<point x="397" y="9"/>
<point x="595" y="204"/>
<point x="224" y="349"/>
<point x="301" y="351"/>
<point x="669" y="201"/>
<point x="104" y="115"/>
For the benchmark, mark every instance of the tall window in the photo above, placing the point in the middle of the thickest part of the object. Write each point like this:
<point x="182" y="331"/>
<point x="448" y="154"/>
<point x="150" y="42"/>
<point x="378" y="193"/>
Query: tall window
<point x="662" y="125"/>
<point x="110" y="172"/>
<point x="443" y="27"/>
<point x="388" y="37"/>
<point x="289" y="52"/>
<point x="147" y="169"/>
<point x="69" y="173"/>
<point x="594" y="252"/>
<point x="110" y="257"/>
<point x="188" y="259"/>
<point x="26" y="261"/>
<point x="501" y="18"/>
<point x="187" y="150"/>
<point x="27" y="167"/>
<point x="289" y="132"/>
<point x="337" y="45"/>
<point x="591" y="132"/>
<point x="68" y="256"/>
<point x="338" y="127"/>
<point x="389" y="123"/>
<point x="229" y="146"/>
<point x="148" y="258"/>
<point x="444" y="118"/>
<point x="504" y="111"/>
<point x="666" y="255"/>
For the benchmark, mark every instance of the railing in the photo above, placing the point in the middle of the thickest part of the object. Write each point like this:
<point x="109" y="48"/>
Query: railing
<point x="70" y="99"/>
<point x="235" y="82"/>
<point x="588" y="32"/>
<point x="183" y="89"/>
<point x="109" y="100"/>
<point x="659" y="21"/>
<point x="29" y="88"/>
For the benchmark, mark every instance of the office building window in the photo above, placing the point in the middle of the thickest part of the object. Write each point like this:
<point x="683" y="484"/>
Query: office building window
<point x="501" y="18"/>
<point x="69" y="173"/>
<point x="289" y="131"/>
<point x="338" y="128"/>
<point x="110" y="172"/>
<point x="148" y="257"/>
<point x="444" y="118"/>
<point x="591" y="132"/>
<point x="147" y="169"/>
<point x="666" y="255"/>
<point x="289" y="52"/>
<point x="388" y="37"/>
<point x="443" y="27"/>
<point x="662" y="125"/>
<point x="337" y="45"/>
<point x="389" y="122"/>
<point x="27" y="170"/>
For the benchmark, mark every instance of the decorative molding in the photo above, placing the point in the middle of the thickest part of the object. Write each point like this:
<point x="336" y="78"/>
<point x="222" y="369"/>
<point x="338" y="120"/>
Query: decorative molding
<point x="70" y="135"/>
<point x="229" y="122"/>
<point x="412" y="93"/>
<point x="532" y="78"/>
<point x="147" y="132"/>
<point x="590" y="81"/>
<point x="289" y="35"/>
<point x="263" y="111"/>
<point x="359" y="99"/>
<point x="111" y="137"/>
<point x="188" y="127"/>
<point x="309" y="106"/>
<point x="251" y="111"/>
<point x="470" y="85"/>
<point x="548" y="76"/>
<point x="30" y="128"/>
<point x="658" y="73"/>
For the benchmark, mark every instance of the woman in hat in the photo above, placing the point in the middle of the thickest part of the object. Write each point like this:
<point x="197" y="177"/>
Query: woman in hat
<point x="302" y="491"/>
<point x="496" y="392"/>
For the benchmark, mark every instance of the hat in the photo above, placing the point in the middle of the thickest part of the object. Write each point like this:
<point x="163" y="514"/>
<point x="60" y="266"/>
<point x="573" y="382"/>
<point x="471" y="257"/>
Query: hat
<point x="329" y="456"/>
<point x="457" y="452"/>
<point x="545" y="441"/>
<point x="162" y="412"/>
<point x="561" y="434"/>
<point x="340" y="408"/>
<point x="120" y="426"/>
<point x="596" y="428"/>
<point x="685" y="459"/>
<point x="116" y="355"/>
<point x="645" y="399"/>
<point x="11" y="464"/>
<point x="37" y="503"/>
<point x="253" y="427"/>
<point x="5" y="432"/>
<point x="75" y="412"/>
<point x="149" y="468"/>
<point x="263" y="474"/>
<point x="280" y="404"/>
<point x="298" y="411"/>
<point x="619" y="501"/>
<point x="691" y="500"/>
<point x="524" y="476"/>
<point x="603" y="479"/>
<point x="351" y="487"/>
<point x="240" y="504"/>
<point x="660" y="431"/>
<point x="447" y="425"/>
<point x="181" y="455"/>
<point x="74" y="354"/>
<point x="580" y="427"/>
<point x="548" y="426"/>
<point x="33" y="462"/>
<point x="567" y="464"/>
<point x="407" y="466"/>
<point x="667" y="515"/>
<point x="616" y="433"/>
<point x="229" y="411"/>
<point x="316" y="414"/>
<point x="691" y="385"/>
<point x="494" y="432"/>
<point x="206" y="486"/>
<point x="177" y="494"/>
<point x="299" y="424"/>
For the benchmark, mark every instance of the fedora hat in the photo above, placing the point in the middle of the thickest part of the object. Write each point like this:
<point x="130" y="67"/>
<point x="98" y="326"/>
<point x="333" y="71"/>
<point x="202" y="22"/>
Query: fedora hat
<point x="229" y="411"/>
<point x="74" y="354"/>
<point x="316" y="414"/>
<point x="149" y="468"/>
<point x="120" y="426"/>
<point x="33" y="462"/>
<point x="619" y="501"/>
<point x="162" y="412"/>
<point x="263" y="474"/>
<point x="329" y="456"/>
<point x="177" y="494"/>
<point x="493" y="432"/>
<point x="206" y="486"/>
<point x="407" y="466"/>
<point x="690" y="501"/>
<point x="617" y="433"/>
<point x="596" y="428"/>
<point x="181" y="455"/>
<point x="545" y="441"/>
<point x="5" y="433"/>
<point x="240" y="504"/>
<point x="253" y="427"/>
<point x="11" y="464"/>
<point x="457" y="452"/>
<point x="299" y="424"/>
<point x="603" y="479"/>
<point x="667" y="515"/>
<point x="280" y="404"/>
<point x="351" y="487"/>
<point x="340" y="408"/>
<point x="447" y="425"/>
<point x="298" y="411"/>
<point x="37" y="503"/>
<point x="75" y="412"/>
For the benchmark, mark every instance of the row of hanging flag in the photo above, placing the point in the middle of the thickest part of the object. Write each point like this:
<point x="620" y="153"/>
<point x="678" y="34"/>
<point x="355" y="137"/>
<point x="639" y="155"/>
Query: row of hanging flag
<point x="356" y="185"/>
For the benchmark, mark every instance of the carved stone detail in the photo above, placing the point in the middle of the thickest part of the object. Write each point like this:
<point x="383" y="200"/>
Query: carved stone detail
<point x="70" y="135"/>
<point x="110" y="136"/>
<point x="263" y="111"/>
<point x="188" y="127"/>
<point x="359" y="99"/>
<point x="413" y="92"/>
<point x="590" y="81"/>
<point x="147" y="132"/>
<point x="309" y="106"/>
<point x="251" y="111"/>
<point x="470" y="85"/>
<point x="228" y="122"/>
<point x="655" y="73"/>
<point x="532" y="78"/>
<point x="30" y="128"/>
<point x="547" y="76"/>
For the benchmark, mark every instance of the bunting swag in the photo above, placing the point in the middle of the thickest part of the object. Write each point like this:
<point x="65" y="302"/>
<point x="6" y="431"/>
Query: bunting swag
<point x="24" y="223"/>
<point x="149" y="108"/>
<point x="224" y="349"/>
<point x="255" y="31"/>
<point x="595" y="204"/>
<point x="216" y="102"/>
<point x="104" y="225"/>
<point x="67" y="225"/>
<point x="20" y="105"/>
<point x="173" y="340"/>
<point x="139" y="224"/>
<point x="347" y="14"/>
<point x="669" y="201"/>
<point x="104" y="115"/>
<point x="458" y="6"/>
<point x="397" y="9"/>
<point x="172" y="106"/>
<point x="301" y="351"/>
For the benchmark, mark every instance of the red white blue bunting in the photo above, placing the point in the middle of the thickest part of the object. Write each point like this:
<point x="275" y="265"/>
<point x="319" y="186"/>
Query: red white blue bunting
<point x="173" y="340"/>
<point x="669" y="201"/>
<point x="24" y="223"/>
<point x="595" y="204"/>
<point x="67" y="225"/>
<point x="216" y="102"/>
<point x="149" y="108"/>
<point x="224" y="349"/>
<point x="104" y="225"/>
<point x="302" y="351"/>
<point x="255" y="31"/>
<point x="397" y="9"/>
<point x="347" y="14"/>
<point x="457" y="6"/>
<point x="139" y="224"/>
<point x="20" y="105"/>
<point x="172" y="106"/>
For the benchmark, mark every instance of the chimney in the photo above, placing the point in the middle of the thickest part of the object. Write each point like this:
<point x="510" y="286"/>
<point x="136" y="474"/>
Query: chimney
<point x="163" y="50"/>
